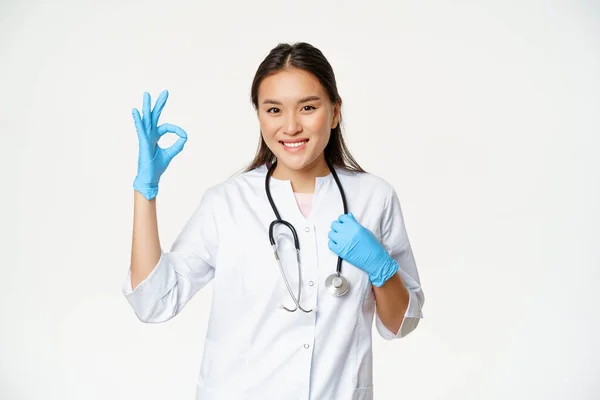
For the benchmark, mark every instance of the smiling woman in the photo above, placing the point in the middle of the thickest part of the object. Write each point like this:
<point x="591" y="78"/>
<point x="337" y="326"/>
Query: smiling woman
<point x="296" y="99"/>
<point x="351" y="264"/>
<point x="298" y="129"/>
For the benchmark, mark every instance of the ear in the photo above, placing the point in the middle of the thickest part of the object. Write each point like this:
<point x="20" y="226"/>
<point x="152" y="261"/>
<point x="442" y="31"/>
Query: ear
<point x="336" y="113"/>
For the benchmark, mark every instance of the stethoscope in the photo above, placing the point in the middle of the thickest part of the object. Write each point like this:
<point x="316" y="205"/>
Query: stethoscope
<point x="336" y="283"/>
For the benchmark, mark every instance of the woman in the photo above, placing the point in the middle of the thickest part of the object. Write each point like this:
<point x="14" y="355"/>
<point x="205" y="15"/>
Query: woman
<point x="277" y="330"/>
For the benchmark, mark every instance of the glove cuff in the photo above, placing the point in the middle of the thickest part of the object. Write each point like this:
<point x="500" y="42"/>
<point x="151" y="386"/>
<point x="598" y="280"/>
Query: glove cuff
<point x="386" y="272"/>
<point x="149" y="192"/>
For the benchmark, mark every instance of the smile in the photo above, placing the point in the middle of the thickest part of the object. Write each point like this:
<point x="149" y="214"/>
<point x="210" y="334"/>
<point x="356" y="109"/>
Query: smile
<point x="294" y="144"/>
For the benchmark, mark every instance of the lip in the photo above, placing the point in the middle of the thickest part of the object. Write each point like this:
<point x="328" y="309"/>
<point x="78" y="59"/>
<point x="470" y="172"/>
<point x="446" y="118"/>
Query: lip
<point x="294" y="141"/>
<point x="294" y="149"/>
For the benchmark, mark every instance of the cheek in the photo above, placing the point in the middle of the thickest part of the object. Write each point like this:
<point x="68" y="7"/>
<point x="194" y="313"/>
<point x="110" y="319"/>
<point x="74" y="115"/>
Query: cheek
<point x="319" y="124"/>
<point x="268" y="127"/>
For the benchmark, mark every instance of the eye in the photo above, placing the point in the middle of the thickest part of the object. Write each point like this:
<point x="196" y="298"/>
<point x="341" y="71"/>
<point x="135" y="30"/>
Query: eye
<point x="310" y="107"/>
<point x="270" y="109"/>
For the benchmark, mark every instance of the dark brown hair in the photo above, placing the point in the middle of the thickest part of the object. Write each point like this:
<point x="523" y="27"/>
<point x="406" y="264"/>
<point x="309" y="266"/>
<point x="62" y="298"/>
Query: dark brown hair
<point x="308" y="58"/>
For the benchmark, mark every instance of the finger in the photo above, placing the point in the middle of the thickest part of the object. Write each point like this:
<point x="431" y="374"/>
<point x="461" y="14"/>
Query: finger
<point x="344" y="218"/>
<point x="333" y="236"/>
<point x="332" y="246"/>
<point x="158" y="107"/>
<point x="168" y="128"/>
<point x="146" y="109"/>
<point x="137" y="120"/>
<point x="347" y="218"/>
<point x="176" y="147"/>
<point x="336" y="226"/>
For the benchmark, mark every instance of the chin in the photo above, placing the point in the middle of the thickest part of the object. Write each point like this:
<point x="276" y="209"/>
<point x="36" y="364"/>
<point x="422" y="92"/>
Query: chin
<point x="291" y="163"/>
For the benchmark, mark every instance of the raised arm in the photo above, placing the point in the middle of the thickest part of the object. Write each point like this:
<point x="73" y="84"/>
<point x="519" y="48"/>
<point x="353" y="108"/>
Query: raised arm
<point x="152" y="163"/>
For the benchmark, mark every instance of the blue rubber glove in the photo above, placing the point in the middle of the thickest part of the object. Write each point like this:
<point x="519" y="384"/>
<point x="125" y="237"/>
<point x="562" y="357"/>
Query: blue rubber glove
<point x="359" y="246"/>
<point x="153" y="160"/>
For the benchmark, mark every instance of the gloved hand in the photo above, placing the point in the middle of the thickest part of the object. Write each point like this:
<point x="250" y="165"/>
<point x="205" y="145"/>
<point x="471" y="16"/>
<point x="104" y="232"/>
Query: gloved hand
<point x="359" y="246"/>
<point x="153" y="160"/>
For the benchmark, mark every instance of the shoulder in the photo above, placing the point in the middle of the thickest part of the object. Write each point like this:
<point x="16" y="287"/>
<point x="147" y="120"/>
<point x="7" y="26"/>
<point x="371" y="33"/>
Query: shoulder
<point x="245" y="183"/>
<point x="366" y="183"/>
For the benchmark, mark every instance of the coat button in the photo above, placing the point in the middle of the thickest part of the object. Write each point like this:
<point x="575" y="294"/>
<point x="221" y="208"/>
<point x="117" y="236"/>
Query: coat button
<point x="307" y="229"/>
<point x="306" y="346"/>
<point x="310" y="283"/>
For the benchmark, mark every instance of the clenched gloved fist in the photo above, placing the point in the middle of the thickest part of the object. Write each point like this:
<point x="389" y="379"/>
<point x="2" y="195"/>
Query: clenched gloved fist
<point x="359" y="246"/>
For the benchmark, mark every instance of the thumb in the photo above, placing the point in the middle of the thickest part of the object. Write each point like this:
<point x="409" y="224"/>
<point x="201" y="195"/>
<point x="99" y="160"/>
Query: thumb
<point x="176" y="147"/>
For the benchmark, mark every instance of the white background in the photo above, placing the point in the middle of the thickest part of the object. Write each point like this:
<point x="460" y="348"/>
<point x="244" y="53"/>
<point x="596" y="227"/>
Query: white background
<point x="483" y="115"/>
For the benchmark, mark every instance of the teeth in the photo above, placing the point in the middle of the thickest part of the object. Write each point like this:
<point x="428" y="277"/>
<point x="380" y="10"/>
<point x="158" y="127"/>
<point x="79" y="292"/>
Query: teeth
<point x="294" y="144"/>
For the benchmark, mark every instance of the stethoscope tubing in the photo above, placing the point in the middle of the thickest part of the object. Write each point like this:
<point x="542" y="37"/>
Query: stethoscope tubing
<point x="278" y="220"/>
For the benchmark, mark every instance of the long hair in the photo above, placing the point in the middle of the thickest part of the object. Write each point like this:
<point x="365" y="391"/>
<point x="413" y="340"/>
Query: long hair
<point x="308" y="58"/>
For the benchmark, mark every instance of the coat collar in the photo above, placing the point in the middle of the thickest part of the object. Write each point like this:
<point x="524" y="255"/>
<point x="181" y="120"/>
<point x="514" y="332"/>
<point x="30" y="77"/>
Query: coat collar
<point x="287" y="184"/>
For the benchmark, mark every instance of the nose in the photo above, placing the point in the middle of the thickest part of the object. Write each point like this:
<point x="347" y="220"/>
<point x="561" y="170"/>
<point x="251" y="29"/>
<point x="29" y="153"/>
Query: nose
<point x="292" y="125"/>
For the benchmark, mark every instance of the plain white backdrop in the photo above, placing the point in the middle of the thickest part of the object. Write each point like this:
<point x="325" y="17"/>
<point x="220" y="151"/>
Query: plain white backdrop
<point x="485" y="116"/>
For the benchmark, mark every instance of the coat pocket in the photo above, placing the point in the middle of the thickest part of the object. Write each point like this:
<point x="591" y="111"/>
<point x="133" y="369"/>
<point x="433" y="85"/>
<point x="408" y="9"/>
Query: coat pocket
<point x="365" y="393"/>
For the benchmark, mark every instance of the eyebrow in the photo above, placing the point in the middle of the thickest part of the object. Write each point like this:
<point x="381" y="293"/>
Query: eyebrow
<point x="302" y="100"/>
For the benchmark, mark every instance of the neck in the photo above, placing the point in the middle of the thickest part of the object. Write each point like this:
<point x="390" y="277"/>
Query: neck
<point x="303" y="181"/>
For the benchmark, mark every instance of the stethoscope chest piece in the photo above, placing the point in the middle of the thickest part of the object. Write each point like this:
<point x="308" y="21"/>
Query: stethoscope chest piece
<point x="337" y="284"/>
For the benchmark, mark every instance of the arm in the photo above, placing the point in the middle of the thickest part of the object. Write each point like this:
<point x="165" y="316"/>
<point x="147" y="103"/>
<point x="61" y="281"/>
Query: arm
<point x="160" y="284"/>
<point x="158" y="290"/>
<point x="392" y="303"/>
<point x="390" y="265"/>
<point x="145" y="247"/>
<point x="400" y="299"/>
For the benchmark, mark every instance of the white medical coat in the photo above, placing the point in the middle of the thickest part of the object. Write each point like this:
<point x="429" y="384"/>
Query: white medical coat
<point x="254" y="349"/>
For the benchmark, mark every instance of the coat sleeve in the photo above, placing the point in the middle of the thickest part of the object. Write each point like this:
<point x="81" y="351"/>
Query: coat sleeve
<point x="395" y="240"/>
<point x="181" y="272"/>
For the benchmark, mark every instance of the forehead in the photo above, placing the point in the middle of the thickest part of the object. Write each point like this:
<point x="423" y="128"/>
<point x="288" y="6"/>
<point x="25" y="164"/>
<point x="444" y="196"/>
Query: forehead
<point x="290" y="85"/>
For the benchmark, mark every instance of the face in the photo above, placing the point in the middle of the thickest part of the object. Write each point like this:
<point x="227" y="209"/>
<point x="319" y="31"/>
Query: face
<point x="296" y="118"/>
